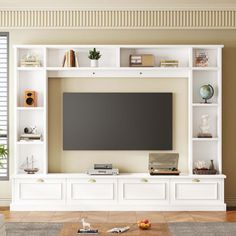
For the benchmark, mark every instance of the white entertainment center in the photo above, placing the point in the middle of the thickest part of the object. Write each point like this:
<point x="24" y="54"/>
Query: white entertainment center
<point x="131" y="191"/>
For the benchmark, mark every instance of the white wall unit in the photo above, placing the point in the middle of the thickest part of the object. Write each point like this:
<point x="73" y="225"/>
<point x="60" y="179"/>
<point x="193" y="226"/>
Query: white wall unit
<point x="121" y="192"/>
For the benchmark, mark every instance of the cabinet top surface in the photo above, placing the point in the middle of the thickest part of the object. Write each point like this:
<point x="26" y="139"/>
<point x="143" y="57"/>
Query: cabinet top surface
<point x="120" y="176"/>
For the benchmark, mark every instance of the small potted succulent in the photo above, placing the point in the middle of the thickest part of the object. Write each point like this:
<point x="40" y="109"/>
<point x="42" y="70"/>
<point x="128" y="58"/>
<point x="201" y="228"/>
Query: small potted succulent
<point x="94" y="56"/>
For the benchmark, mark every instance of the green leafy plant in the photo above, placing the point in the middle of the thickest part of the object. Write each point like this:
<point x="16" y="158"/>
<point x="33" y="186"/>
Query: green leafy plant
<point x="94" y="54"/>
<point x="3" y="153"/>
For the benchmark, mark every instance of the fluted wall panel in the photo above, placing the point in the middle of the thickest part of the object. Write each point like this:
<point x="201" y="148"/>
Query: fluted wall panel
<point x="126" y="19"/>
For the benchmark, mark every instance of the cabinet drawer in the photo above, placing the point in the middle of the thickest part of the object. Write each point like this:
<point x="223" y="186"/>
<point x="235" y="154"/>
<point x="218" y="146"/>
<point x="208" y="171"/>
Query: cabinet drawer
<point x="92" y="190"/>
<point x="196" y="190"/>
<point x="40" y="190"/>
<point x="145" y="191"/>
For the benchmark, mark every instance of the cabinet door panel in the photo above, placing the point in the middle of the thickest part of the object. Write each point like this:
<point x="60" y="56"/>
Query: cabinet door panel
<point x="92" y="191"/>
<point x="147" y="191"/>
<point x="199" y="191"/>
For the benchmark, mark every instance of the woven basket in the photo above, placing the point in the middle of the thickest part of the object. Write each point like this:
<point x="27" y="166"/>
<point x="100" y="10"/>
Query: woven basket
<point x="204" y="172"/>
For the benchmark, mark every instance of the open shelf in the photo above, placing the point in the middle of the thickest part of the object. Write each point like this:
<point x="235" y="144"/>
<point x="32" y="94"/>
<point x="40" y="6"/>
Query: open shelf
<point x="161" y="53"/>
<point x="35" y="51"/>
<point x="203" y="77"/>
<point x="108" y="59"/>
<point x="210" y="52"/>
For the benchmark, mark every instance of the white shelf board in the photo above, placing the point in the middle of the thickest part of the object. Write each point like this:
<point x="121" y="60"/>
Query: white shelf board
<point x="116" y="68"/>
<point x="205" y="139"/>
<point x="39" y="68"/>
<point x="205" y="105"/>
<point x="30" y="108"/>
<point x="29" y="142"/>
<point x="206" y="68"/>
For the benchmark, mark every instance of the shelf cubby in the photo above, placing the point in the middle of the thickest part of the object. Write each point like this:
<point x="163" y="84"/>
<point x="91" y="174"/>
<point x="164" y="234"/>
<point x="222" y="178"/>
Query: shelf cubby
<point x="213" y="120"/>
<point x="201" y="78"/>
<point x="212" y="54"/>
<point x="108" y="59"/>
<point x="24" y="152"/>
<point x="162" y="53"/>
<point x="34" y="51"/>
<point x="29" y="118"/>
<point x="29" y="80"/>
<point x="206" y="151"/>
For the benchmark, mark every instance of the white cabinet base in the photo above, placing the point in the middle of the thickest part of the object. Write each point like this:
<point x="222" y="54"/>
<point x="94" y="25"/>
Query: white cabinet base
<point x="126" y="192"/>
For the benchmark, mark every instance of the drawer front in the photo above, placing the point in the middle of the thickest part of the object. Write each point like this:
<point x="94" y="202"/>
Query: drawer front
<point x="196" y="190"/>
<point x="40" y="190"/>
<point x="145" y="191"/>
<point x="92" y="190"/>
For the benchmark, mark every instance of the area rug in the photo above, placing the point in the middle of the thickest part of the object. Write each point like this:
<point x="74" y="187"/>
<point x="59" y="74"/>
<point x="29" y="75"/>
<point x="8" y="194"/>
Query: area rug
<point x="33" y="229"/>
<point x="203" y="229"/>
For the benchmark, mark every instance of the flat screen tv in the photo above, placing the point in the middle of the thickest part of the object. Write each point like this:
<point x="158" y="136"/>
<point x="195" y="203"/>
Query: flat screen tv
<point x="117" y="121"/>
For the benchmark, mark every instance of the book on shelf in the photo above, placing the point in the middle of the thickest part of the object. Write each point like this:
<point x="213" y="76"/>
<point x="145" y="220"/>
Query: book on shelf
<point x="70" y="59"/>
<point x="30" y="137"/>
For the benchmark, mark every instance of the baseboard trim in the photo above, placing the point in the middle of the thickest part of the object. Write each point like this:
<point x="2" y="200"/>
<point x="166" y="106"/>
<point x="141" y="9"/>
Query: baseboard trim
<point x="5" y="202"/>
<point x="20" y="207"/>
<point x="175" y="18"/>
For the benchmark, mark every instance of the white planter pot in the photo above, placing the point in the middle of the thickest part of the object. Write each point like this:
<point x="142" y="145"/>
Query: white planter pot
<point x="94" y="63"/>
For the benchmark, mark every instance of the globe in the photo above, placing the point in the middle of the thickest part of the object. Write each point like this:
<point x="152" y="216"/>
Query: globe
<point x="206" y="92"/>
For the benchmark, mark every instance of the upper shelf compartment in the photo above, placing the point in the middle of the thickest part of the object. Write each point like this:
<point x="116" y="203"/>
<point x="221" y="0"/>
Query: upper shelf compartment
<point x="109" y="56"/>
<point x="205" y="58"/>
<point x="30" y="57"/>
<point x="181" y="54"/>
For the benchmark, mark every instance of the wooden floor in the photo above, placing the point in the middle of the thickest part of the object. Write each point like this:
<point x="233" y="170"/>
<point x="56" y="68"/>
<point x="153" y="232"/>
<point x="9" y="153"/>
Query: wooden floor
<point x="111" y="219"/>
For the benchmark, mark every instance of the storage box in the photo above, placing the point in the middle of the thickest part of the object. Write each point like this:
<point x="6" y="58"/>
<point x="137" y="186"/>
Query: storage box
<point x="144" y="60"/>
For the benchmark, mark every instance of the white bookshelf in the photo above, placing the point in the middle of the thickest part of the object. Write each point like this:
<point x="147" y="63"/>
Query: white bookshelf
<point x="184" y="192"/>
<point x="115" y="63"/>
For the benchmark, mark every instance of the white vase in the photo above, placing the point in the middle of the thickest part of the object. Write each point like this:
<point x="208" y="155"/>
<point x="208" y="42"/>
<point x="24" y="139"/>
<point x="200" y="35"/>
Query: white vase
<point x="94" y="63"/>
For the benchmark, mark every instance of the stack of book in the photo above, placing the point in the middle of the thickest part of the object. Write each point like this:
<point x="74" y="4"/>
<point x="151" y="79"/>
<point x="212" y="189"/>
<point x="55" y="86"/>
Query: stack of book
<point x="70" y="59"/>
<point x="30" y="137"/>
<point x="169" y="63"/>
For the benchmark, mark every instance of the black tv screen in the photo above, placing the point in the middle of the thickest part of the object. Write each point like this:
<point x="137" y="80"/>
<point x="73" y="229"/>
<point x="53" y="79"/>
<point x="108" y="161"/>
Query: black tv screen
<point x="117" y="121"/>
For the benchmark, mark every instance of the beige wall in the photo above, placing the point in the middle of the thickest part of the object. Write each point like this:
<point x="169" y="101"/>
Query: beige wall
<point x="226" y="37"/>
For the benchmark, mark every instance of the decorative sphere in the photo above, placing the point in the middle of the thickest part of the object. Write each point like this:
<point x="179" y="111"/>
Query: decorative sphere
<point x="206" y="91"/>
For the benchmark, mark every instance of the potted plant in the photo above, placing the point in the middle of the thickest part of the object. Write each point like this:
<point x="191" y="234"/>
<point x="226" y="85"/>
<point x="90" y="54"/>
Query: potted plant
<point x="94" y="56"/>
<point x="3" y="153"/>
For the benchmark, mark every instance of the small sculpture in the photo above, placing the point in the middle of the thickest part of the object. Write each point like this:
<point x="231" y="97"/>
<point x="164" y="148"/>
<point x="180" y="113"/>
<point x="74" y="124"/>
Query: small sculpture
<point x="28" y="166"/>
<point x="201" y="165"/>
<point x="204" y="127"/>
<point x="86" y="225"/>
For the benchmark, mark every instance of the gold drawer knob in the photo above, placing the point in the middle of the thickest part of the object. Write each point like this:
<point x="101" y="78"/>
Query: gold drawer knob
<point x="40" y="180"/>
<point x="144" y="180"/>
<point x="196" y="180"/>
<point x="92" y="181"/>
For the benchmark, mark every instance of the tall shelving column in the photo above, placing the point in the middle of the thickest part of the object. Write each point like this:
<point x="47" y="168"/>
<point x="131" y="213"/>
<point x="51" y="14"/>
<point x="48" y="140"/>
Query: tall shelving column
<point x="208" y="149"/>
<point x="30" y="79"/>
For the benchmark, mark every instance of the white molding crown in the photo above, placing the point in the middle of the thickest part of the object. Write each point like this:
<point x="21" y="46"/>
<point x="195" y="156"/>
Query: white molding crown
<point x="118" y="18"/>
